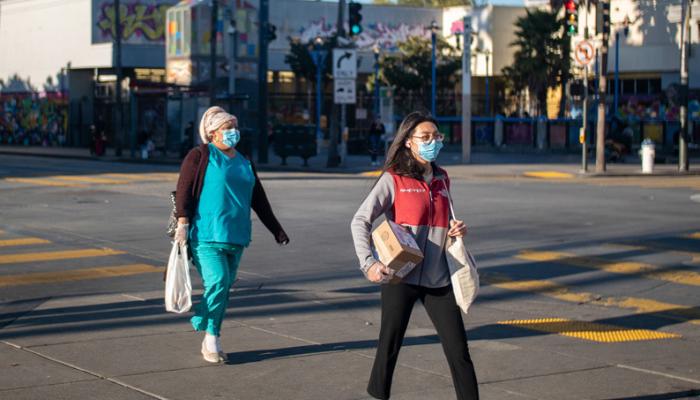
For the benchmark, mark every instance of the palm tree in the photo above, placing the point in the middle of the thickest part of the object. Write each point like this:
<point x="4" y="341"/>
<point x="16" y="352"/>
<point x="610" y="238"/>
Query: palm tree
<point x="540" y="61"/>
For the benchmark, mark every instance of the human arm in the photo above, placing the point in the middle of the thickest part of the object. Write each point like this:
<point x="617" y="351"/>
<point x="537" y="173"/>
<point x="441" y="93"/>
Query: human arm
<point x="378" y="202"/>
<point x="261" y="205"/>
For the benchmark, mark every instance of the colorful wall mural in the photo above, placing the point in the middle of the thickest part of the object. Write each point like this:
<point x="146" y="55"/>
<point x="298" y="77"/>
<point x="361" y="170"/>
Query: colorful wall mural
<point x="33" y="119"/>
<point x="384" y="34"/>
<point x="143" y="21"/>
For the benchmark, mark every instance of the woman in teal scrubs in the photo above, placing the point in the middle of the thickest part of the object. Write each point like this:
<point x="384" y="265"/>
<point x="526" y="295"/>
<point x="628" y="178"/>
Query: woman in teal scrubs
<point x="216" y="190"/>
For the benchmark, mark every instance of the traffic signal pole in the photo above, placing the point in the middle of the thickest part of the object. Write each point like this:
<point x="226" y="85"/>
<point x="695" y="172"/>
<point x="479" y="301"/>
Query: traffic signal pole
<point x="262" y="80"/>
<point x="602" y="87"/>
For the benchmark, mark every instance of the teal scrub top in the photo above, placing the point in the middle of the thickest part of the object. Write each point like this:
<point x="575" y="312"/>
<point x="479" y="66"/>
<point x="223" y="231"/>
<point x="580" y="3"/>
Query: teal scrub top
<point x="223" y="212"/>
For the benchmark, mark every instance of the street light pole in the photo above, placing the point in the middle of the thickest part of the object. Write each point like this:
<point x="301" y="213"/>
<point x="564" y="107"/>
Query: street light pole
<point x="616" y="99"/>
<point x="433" y="66"/>
<point x="376" y="80"/>
<point x="683" y="115"/>
<point x="487" y="110"/>
<point x="466" y="91"/>
<point x="212" y="51"/>
<point x="118" y="125"/>
<point x="319" y="58"/>
<point x="602" y="87"/>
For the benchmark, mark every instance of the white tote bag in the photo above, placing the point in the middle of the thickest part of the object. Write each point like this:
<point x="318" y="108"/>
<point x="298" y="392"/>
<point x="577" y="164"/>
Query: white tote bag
<point x="463" y="273"/>
<point x="178" y="287"/>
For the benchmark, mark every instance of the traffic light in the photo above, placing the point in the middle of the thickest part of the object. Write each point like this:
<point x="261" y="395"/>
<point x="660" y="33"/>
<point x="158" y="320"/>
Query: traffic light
<point x="571" y="17"/>
<point x="603" y="17"/>
<point x="355" y="18"/>
<point x="271" y="33"/>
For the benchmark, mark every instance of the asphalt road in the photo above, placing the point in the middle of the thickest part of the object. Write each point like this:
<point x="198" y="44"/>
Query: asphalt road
<point x="589" y="290"/>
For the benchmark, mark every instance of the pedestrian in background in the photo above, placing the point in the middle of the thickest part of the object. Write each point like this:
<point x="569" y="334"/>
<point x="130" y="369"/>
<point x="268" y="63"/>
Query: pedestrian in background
<point x="216" y="190"/>
<point x="412" y="192"/>
<point x="376" y="132"/>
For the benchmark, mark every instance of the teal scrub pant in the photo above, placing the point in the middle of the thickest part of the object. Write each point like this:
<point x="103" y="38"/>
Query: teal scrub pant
<point x="217" y="264"/>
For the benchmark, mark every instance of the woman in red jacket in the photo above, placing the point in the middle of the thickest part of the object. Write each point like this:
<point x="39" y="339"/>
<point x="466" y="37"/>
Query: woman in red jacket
<point x="412" y="192"/>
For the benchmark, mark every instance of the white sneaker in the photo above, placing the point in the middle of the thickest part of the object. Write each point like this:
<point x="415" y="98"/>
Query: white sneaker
<point x="211" y="357"/>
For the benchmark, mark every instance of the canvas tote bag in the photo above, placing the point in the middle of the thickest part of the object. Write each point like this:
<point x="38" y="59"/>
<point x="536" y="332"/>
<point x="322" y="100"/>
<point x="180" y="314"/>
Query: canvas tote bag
<point x="463" y="273"/>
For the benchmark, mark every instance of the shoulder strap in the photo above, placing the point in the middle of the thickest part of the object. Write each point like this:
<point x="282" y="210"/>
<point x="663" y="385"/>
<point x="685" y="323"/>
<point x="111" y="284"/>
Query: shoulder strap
<point x="449" y="198"/>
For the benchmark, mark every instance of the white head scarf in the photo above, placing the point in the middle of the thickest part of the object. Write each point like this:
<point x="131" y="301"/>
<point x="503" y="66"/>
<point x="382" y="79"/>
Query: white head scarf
<point x="212" y="120"/>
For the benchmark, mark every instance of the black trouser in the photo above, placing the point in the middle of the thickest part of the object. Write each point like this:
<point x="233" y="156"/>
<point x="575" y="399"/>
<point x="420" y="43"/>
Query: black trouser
<point x="397" y="304"/>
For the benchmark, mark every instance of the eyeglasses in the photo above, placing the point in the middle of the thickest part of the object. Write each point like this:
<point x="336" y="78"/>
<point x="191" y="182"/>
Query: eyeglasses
<point x="429" y="138"/>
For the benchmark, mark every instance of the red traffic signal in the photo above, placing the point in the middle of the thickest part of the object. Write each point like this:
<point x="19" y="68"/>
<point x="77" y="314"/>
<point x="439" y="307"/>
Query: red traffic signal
<point x="570" y="5"/>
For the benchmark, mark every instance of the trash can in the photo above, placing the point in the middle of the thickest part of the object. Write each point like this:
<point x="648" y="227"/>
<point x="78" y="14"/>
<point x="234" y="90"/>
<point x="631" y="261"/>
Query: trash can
<point x="647" y="154"/>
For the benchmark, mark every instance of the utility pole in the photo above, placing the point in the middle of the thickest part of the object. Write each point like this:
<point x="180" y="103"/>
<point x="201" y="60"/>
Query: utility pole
<point x="467" y="91"/>
<point x="333" y="156"/>
<point x="264" y="13"/>
<point x="212" y="52"/>
<point x="118" y="131"/>
<point x="600" y="128"/>
<point x="683" y="134"/>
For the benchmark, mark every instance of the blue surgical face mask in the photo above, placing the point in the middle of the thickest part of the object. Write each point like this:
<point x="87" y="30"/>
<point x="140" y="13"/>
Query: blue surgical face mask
<point x="429" y="151"/>
<point x="230" y="137"/>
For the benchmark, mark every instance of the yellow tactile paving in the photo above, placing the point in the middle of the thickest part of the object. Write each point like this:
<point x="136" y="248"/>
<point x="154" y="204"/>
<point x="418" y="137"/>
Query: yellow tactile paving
<point x="548" y="175"/>
<point x="44" y="182"/>
<point x="76" y="275"/>
<point x="564" y="293"/>
<point x="23" y="241"/>
<point x="589" y="330"/>
<point x="617" y="267"/>
<point x="90" y="179"/>
<point x="56" y="255"/>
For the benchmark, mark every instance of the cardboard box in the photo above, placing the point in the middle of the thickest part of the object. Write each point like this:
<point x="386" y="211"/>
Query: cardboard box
<point x="396" y="248"/>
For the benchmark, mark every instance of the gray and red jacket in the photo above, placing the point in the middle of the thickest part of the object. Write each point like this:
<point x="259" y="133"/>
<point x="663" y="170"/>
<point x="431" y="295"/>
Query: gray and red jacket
<point x="423" y="208"/>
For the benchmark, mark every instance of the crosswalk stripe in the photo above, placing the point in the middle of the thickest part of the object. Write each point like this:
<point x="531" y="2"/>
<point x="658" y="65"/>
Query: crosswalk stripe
<point x="561" y="292"/>
<point x="56" y="255"/>
<point x="44" y="182"/>
<point x="133" y="177"/>
<point x="695" y="256"/>
<point x="23" y="241"/>
<point x="76" y="275"/>
<point x="595" y="332"/>
<point x="89" y="179"/>
<point x="616" y="267"/>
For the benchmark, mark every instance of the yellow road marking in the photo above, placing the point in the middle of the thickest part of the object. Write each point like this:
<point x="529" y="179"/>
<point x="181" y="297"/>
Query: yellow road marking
<point x="44" y="182"/>
<point x="616" y="267"/>
<point x="372" y="173"/>
<point x="133" y="177"/>
<point x="23" y="241"/>
<point x="89" y="179"/>
<point x="695" y="256"/>
<point x="589" y="330"/>
<point x="76" y="275"/>
<point x="548" y="175"/>
<point x="561" y="292"/>
<point x="56" y="255"/>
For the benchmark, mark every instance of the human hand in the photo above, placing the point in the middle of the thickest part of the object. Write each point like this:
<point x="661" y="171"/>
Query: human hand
<point x="282" y="239"/>
<point x="379" y="273"/>
<point x="457" y="228"/>
<point x="181" y="233"/>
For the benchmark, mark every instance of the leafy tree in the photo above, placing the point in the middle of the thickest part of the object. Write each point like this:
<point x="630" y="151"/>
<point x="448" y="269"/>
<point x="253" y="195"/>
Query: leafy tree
<point x="302" y="64"/>
<point x="408" y="69"/>
<point x="540" y="61"/>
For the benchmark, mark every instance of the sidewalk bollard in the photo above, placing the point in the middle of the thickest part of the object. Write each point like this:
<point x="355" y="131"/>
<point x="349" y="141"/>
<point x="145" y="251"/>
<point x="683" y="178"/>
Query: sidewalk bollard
<point x="541" y="133"/>
<point x="498" y="131"/>
<point x="647" y="154"/>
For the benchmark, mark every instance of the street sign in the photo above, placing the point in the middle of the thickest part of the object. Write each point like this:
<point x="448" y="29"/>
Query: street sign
<point x="584" y="52"/>
<point x="345" y="63"/>
<point x="344" y="91"/>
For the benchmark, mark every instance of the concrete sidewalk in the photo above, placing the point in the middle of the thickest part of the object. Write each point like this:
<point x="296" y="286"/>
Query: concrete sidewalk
<point x="554" y="165"/>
